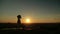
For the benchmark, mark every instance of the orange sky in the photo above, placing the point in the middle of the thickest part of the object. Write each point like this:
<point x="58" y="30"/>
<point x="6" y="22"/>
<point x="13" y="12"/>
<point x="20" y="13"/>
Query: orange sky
<point x="32" y="20"/>
<point x="37" y="11"/>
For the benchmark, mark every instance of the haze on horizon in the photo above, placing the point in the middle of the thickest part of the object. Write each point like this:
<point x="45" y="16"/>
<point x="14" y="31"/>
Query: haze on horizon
<point x="35" y="10"/>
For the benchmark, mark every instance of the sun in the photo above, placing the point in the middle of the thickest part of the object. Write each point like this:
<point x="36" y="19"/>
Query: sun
<point x="27" y="20"/>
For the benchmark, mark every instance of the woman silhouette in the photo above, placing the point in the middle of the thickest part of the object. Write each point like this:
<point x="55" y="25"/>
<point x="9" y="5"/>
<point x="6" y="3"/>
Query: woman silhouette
<point x="19" y="21"/>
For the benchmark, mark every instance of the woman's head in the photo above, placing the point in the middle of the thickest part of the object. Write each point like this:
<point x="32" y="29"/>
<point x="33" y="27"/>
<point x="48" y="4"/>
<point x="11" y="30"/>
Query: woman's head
<point x="19" y="16"/>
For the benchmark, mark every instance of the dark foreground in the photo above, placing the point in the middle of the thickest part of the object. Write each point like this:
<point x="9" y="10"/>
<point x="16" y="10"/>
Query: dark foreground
<point x="29" y="32"/>
<point x="52" y="28"/>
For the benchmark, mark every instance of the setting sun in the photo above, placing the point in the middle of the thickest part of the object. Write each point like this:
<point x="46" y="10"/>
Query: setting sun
<point x="27" y="20"/>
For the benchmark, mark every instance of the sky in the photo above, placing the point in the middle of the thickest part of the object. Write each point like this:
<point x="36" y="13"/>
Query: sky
<point x="36" y="10"/>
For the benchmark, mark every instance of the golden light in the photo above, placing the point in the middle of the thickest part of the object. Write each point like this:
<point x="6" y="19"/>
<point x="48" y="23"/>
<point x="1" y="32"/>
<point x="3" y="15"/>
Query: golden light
<point x="27" y="20"/>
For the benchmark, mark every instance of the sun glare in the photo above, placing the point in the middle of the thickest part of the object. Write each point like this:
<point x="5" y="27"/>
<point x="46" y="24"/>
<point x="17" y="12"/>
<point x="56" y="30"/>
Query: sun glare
<point x="27" y="20"/>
